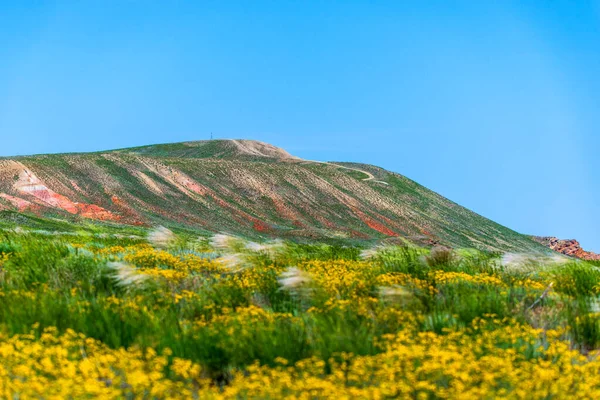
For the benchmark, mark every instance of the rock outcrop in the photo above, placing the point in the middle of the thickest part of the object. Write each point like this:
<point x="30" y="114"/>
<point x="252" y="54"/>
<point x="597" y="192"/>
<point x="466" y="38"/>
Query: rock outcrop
<point x="569" y="247"/>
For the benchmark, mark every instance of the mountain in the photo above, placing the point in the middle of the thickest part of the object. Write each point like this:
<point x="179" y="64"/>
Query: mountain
<point x="243" y="187"/>
<point x="569" y="247"/>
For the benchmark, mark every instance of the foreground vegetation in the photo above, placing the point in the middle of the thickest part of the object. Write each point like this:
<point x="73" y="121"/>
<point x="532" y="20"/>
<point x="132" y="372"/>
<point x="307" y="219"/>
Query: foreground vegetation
<point x="85" y="315"/>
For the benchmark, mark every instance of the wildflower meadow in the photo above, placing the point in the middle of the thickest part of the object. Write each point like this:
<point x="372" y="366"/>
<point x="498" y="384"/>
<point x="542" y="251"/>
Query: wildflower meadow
<point x="165" y="315"/>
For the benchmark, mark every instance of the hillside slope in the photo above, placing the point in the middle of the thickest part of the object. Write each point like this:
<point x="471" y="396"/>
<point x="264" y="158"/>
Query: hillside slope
<point x="242" y="187"/>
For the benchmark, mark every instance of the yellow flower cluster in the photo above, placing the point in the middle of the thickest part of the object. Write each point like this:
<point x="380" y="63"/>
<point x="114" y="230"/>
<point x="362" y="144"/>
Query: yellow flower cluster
<point x="246" y="317"/>
<point x="73" y="366"/>
<point x="185" y="295"/>
<point x="531" y="284"/>
<point x="508" y="362"/>
<point x="3" y="258"/>
<point x="253" y="279"/>
<point x="129" y="306"/>
<point x="168" y="274"/>
<point x="148" y="257"/>
<point x="161" y="263"/>
<point x="114" y="250"/>
<point x="355" y="279"/>
<point x="364" y="306"/>
<point x="442" y="277"/>
<point x="484" y="361"/>
<point x="372" y="309"/>
<point x="400" y="279"/>
<point x="342" y="278"/>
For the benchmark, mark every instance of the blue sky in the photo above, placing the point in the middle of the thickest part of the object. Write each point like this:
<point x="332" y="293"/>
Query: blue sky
<point x="495" y="105"/>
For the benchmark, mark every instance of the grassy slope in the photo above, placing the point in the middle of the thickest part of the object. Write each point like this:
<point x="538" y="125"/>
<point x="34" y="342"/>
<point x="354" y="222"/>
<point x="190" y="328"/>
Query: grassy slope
<point x="212" y="187"/>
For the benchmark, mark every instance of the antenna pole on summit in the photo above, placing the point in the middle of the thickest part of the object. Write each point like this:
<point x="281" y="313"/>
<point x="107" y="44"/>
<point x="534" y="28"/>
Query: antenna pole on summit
<point x="211" y="136"/>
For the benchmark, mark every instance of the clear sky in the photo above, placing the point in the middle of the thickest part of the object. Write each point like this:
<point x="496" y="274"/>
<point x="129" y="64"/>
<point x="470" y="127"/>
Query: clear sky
<point x="495" y="105"/>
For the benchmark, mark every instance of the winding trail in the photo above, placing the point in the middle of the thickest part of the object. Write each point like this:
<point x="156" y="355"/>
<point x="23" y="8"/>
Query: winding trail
<point x="370" y="176"/>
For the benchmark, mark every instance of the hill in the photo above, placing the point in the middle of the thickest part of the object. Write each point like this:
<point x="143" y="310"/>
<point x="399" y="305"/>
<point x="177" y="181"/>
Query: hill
<point x="245" y="188"/>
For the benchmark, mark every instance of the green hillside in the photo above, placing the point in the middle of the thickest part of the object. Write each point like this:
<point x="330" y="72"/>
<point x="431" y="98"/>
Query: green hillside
<point x="245" y="188"/>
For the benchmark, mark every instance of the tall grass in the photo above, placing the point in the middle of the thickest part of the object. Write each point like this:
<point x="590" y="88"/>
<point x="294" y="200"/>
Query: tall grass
<point x="229" y="319"/>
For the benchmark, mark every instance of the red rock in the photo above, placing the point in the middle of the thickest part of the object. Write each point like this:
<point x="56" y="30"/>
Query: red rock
<point x="569" y="247"/>
<point x="29" y="184"/>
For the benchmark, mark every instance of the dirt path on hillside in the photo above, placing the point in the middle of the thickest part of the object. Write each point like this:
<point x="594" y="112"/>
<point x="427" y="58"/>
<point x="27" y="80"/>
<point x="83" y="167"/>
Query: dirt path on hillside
<point x="370" y="176"/>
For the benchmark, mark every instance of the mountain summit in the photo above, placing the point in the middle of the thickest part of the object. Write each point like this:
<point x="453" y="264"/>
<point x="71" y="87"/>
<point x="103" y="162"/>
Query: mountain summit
<point x="243" y="187"/>
<point x="233" y="149"/>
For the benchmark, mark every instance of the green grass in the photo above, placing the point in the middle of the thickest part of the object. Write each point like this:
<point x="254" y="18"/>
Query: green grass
<point x="54" y="280"/>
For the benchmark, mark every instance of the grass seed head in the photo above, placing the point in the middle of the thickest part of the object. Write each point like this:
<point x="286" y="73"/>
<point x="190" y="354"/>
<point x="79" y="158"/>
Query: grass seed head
<point x="161" y="237"/>
<point x="223" y="242"/>
<point x="126" y="275"/>
<point x="293" y="278"/>
<point x="369" y="254"/>
<point x="233" y="262"/>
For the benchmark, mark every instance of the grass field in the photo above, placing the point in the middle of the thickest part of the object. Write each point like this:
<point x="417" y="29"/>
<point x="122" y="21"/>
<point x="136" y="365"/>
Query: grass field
<point x="90" y="314"/>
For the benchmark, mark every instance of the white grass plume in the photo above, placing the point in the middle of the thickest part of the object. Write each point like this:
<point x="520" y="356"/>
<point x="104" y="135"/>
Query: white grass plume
<point x="127" y="275"/>
<point x="369" y="254"/>
<point x="233" y="262"/>
<point x="379" y="251"/>
<point x="224" y="242"/>
<point x="294" y="279"/>
<point x="161" y="237"/>
<point x="529" y="262"/>
<point x="271" y="248"/>
<point x="257" y="247"/>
